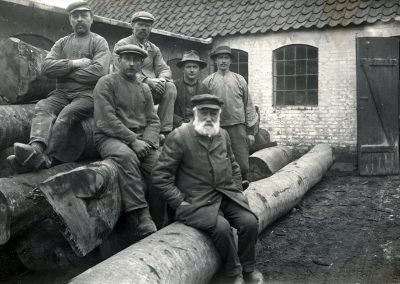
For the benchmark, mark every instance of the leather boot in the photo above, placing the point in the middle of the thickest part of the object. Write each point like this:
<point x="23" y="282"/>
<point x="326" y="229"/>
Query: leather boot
<point x="17" y="167"/>
<point x="146" y="225"/>
<point x="254" y="276"/>
<point x="31" y="157"/>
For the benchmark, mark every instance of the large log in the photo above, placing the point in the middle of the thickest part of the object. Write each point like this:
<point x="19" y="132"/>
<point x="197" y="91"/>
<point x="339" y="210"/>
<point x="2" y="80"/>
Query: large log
<point x="18" y="210"/>
<point x="22" y="81"/>
<point x="5" y="169"/>
<point x="181" y="254"/>
<point x="15" y="124"/>
<point x="266" y="162"/>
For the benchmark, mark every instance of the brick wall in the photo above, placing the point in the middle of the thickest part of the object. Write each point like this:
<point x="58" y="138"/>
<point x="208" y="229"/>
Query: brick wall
<point x="334" y="120"/>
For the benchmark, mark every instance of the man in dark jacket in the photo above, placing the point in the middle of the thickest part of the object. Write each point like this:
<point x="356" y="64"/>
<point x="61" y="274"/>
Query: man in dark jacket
<point x="77" y="61"/>
<point x="188" y="86"/>
<point x="198" y="176"/>
<point x="154" y="72"/>
<point x="127" y="131"/>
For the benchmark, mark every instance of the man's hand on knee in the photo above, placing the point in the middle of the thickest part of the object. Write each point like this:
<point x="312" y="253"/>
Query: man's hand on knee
<point x="141" y="148"/>
<point x="156" y="84"/>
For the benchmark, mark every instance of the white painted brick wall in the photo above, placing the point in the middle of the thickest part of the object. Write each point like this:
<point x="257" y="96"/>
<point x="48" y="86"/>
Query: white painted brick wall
<point x="334" y="120"/>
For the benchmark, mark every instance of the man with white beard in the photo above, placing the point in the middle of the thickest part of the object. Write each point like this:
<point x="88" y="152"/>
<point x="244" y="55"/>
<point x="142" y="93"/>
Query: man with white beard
<point x="198" y="176"/>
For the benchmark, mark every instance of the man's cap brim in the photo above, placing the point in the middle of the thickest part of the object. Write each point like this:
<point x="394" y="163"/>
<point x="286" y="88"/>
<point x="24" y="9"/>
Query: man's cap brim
<point x="212" y="106"/>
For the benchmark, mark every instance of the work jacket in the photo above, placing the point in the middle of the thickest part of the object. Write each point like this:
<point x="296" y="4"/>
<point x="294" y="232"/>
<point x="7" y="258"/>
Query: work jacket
<point x="199" y="170"/>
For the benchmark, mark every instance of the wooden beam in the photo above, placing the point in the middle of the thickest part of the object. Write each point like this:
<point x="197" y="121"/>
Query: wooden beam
<point x="181" y="254"/>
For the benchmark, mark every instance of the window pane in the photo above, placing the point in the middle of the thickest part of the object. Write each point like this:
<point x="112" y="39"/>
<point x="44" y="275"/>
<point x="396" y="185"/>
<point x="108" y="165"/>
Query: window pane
<point x="234" y="67"/>
<point x="301" y="52"/>
<point x="289" y="98"/>
<point x="279" y="98"/>
<point x="289" y="83"/>
<point x="301" y="98"/>
<point x="301" y="66"/>
<point x="279" y="54"/>
<point x="312" y="82"/>
<point x="312" y="53"/>
<point x="312" y="97"/>
<point x="243" y="69"/>
<point x="312" y="67"/>
<point x="300" y="82"/>
<point x="280" y="83"/>
<point x="289" y="52"/>
<point x="289" y="67"/>
<point x="280" y="68"/>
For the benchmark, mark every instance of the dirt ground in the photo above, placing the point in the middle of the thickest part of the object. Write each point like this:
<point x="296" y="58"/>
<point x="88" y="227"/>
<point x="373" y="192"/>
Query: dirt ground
<point x="345" y="230"/>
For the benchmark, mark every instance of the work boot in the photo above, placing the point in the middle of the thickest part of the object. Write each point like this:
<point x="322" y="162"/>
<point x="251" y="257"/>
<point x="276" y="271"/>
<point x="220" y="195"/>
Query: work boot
<point x="31" y="157"/>
<point x="238" y="279"/>
<point x="254" y="276"/>
<point x="15" y="166"/>
<point x="146" y="225"/>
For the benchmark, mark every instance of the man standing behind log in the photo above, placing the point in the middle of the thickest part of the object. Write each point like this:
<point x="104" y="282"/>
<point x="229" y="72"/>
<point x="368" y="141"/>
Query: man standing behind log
<point x="154" y="72"/>
<point x="198" y="176"/>
<point x="188" y="86"/>
<point x="238" y="115"/>
<point x="77" y="61"/>
<point x="127" y="131"/>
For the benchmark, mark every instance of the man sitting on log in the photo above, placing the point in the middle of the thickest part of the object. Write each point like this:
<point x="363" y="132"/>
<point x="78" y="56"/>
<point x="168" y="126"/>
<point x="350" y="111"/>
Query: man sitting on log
<point x="200" y="179"/>
<point x="238" y="115"/>
<point x="77" y="61"/>
<point x="154" y="72"/>
<point x="188" y="86"/>
<point x="127" y="131"/>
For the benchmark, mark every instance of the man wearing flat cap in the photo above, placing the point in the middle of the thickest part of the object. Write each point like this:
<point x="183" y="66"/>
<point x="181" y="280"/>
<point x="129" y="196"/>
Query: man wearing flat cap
<point x="76" y="61"/>
<point x="188" y="86"/>
<point x="155" y="72"/>
<point x="238" y="115"/>
<point x="127" y="131"/>
<point x="198" y="176"/>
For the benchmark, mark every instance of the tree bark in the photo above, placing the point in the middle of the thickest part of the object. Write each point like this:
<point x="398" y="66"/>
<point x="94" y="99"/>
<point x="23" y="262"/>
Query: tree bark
<point x="15" y="124"/>
<point x="18" y="211"/>
<point x="21" y="66"/>
<point x="268" y="161"/>
<point x="181" y="254"/>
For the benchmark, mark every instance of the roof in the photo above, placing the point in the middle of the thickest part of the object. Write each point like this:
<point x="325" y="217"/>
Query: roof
<point x="212" y="18"/>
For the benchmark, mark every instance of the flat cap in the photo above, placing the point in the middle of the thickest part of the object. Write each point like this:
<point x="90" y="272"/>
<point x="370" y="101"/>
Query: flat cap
<point x="131" y="48"/>
<point x="207" y="101"/>
<point x="142" y="15"/>
<point x="80" y="5"/>
<point x="222" y="49"/>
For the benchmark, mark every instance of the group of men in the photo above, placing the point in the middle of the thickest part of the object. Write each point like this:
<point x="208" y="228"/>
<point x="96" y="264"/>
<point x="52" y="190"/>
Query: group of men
<point x="205" y="127"/>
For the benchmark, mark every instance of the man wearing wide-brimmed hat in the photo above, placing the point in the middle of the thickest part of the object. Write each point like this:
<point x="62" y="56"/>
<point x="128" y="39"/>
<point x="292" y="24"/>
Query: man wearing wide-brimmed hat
<point x="155" y="72"/>
<point x="76" y="61"/>
<point x="238" y="115"/>
<point x="127" y="131"/>
<point x="188" y="86"/>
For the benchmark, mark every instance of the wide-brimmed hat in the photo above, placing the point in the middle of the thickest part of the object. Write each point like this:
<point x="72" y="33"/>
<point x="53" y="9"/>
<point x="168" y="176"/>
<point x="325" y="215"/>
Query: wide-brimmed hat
<point x="191" y="56"/>
<point x="131" y="48"/>
<point x="207" y="101"/>
<point x="222" y="49"/>
<point x="142" y="15"/>
<point x="78" y="6"/>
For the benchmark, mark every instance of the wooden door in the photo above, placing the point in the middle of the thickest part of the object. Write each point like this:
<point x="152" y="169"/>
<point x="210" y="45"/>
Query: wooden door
<point x="378" y="103"/>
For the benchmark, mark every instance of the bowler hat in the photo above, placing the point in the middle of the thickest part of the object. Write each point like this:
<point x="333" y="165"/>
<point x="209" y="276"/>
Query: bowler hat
<point x="142" y="15"/>
<point x="80" y="5"/>
<point x="207" y="101"/>
<point x="222" y="49"/>
<point x="131" y="48"/>
<point x="192" y="56"/>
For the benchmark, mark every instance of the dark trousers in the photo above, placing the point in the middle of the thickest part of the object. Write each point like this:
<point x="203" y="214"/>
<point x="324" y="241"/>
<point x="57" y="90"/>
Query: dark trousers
<point x="133" y="173"/>
<point x="55" y="115"/>
<point x="241" y="258"/>
<point x="166" y="103"/>
<point x="240" y="146"/>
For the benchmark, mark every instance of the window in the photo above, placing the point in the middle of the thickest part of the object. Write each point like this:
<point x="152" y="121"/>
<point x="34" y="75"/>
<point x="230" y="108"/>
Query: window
<point x="295" y="73"/>
<point x="239" y="63"/>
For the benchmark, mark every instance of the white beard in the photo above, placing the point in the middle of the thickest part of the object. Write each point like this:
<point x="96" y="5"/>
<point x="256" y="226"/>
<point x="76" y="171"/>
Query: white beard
<point x="205" y="130"/>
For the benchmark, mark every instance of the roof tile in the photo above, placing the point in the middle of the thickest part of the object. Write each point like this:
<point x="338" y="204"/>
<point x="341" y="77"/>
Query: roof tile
<point x="208" y="18"/>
